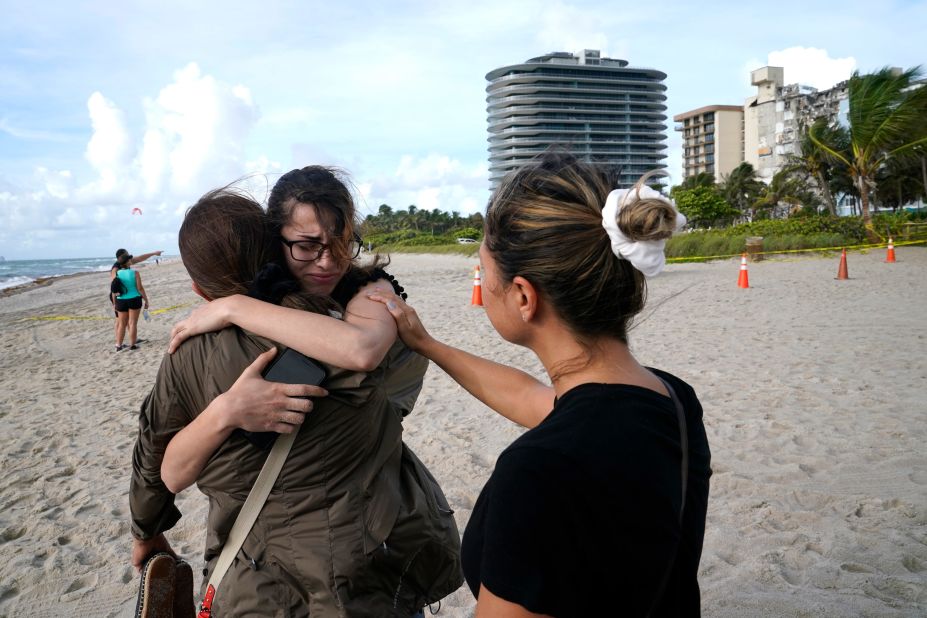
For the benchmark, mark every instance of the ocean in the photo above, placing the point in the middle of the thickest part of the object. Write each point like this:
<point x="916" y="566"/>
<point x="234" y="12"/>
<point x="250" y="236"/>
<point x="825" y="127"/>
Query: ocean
<point x="19" y="272"/>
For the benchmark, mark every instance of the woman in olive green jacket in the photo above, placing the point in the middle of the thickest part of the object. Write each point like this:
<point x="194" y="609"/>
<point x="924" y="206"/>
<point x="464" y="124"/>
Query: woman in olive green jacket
<point x="355" y="524"/>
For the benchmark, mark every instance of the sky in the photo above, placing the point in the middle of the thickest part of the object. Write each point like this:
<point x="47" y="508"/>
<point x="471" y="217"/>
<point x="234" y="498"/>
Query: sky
<point x="109" y="106"/>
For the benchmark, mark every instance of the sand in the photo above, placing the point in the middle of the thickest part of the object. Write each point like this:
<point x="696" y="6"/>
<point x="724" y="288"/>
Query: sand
<point x="813" y="390"/>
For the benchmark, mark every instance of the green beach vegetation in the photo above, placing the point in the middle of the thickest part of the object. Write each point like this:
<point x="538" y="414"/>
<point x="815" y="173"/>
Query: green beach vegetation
<point x="414" y="230"/>
<point x="886" y="131"/>
<point x="877" y="156"/>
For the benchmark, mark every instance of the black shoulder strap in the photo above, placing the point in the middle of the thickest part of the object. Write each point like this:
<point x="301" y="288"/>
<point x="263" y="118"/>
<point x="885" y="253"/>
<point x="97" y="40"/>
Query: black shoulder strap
<point x="683" y="444"/>
<point x="684" y="472"/>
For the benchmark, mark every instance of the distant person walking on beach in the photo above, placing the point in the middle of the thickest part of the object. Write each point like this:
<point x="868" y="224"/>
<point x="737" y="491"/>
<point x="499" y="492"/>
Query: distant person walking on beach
<point x="128" y="295"/>
<point x="132" y="261"/>
<point x="599" y="509"/>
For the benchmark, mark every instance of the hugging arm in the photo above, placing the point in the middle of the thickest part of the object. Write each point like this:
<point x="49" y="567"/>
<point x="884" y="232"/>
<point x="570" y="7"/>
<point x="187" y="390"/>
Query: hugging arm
<point x="357" y="343"/>
<point x="511" y="392"/>
<point x="252" y="403"/>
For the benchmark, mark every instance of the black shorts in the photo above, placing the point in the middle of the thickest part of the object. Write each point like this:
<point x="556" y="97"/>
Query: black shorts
<point x="128" y="303"/>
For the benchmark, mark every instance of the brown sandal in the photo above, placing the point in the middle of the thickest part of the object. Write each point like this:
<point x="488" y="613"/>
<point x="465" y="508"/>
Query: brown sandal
<point x="165" y="589"/>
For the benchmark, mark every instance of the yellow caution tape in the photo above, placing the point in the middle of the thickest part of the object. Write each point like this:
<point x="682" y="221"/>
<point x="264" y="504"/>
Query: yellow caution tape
<point x="61" y="318"/>
<point x="171" y="308"/>
<point x="703" y="258"/>
<point x="57" y="318"/>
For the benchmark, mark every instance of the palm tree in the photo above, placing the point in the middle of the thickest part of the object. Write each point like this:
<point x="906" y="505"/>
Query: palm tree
<point x="898" y="183"/>
<point x="886" y="115"/>
<point x="702" y="179"/>
<point x="741" y="188"/>
<point x="816" y="163"/>
<point x="785" y="188"/>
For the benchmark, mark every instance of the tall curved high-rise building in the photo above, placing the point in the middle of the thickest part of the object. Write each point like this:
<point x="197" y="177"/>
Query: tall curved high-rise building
<point x="601" y="109"/>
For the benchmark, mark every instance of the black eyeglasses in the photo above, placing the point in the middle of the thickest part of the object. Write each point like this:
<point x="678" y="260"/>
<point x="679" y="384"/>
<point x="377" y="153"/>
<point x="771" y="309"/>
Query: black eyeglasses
<point x="312" y="250"/>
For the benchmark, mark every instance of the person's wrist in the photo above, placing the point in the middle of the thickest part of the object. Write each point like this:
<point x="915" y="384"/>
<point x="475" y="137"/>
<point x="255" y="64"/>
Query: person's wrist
<point x="425" y="344"/>
<point x="231" y="309"/>
<point x="222" y="413"/>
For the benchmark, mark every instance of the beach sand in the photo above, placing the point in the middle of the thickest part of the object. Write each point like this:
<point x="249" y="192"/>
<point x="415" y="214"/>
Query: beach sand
<point x="813" y="391"/>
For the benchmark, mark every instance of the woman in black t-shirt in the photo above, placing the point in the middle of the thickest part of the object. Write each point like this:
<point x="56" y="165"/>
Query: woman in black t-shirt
<point x="599" y="509"/>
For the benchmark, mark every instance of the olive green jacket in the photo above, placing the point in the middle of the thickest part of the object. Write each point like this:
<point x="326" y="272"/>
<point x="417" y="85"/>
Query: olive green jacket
<point x="355" y="524"/>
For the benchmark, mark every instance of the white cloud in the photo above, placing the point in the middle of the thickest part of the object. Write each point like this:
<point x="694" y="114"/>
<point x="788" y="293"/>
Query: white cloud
<point x="57" y="184"/>
<point x="289" y="117"/>
<point x="109" y="150"/>
<point x="192" y="140"/>
<point x="263" y="165"/>
<point x="433" y="167"/>
<point x="433" y="181"/>
<point x="811" y="66"/>
<point x="69" y="218"/>
<point x="565" y="27"/>
<point x="196" y="130"/>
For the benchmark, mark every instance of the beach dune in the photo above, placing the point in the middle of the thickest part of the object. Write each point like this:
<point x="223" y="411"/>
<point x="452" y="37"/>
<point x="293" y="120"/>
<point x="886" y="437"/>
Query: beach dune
<point x="813" y="391"/>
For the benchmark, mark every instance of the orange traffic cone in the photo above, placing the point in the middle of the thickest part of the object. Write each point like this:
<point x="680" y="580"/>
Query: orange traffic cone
<point x="743" y="281"/>
<point x="842" y="269"/>
<point x="890" y="254"/>
<point x="476" y="299"/>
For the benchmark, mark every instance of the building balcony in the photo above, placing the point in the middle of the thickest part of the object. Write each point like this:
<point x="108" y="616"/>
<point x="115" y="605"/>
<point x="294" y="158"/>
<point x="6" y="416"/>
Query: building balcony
<point x="590" y="89"/>
<point x="580" y="75"/>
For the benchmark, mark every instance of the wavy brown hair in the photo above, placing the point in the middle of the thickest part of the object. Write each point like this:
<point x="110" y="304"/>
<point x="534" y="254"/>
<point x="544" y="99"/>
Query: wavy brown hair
<point x="226" y="240"/>
<point x="327" y="190"/>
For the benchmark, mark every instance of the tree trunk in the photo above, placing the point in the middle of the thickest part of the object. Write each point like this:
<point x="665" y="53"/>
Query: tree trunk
<point x="924" y="173"/>
<point x="864" y="200"/>
<point x="828" y="196"/>
<point x="864" y="208"/>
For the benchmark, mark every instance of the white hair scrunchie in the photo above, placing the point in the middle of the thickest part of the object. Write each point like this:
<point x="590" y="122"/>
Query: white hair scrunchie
<point x="645" y="255"/>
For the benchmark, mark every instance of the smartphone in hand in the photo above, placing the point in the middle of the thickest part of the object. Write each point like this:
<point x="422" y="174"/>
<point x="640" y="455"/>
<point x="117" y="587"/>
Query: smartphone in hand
<point x="288" y="367"/>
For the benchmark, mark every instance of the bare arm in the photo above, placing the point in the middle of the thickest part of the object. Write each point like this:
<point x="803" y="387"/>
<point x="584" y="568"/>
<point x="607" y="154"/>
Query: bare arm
<point x="358" y="343"/>
<point x="141" y="288"/>
<point x="511" y="392"/>
<point x="251" y="403"/>
<point x="489" y="605"/>
<point x="141" y="258"/>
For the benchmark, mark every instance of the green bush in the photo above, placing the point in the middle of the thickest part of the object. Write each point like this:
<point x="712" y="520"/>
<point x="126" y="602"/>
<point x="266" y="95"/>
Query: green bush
<point x="711" y="243"/>
<point x="703" y="205"/>
<point x="850" y="227"/>
<point x="468" y="232"/>
<point x="891" y="223"/>
<point x="457" y="248"/>
<point x="389" y="238"/>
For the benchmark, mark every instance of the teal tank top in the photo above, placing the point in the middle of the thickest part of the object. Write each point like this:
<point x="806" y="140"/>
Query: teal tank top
<point x="127" y="276"/>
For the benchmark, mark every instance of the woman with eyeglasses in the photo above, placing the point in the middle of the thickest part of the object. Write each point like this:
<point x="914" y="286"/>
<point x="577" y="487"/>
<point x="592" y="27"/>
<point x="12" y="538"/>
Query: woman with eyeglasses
<point x="312" y="214"/>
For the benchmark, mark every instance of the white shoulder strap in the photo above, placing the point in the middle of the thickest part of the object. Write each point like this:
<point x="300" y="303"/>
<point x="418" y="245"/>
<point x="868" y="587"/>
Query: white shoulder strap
<point x="252" y="507"/>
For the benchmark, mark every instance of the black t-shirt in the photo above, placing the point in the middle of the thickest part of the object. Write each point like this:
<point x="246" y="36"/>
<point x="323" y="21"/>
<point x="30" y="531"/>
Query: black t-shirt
<point x="581" y="515"/>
